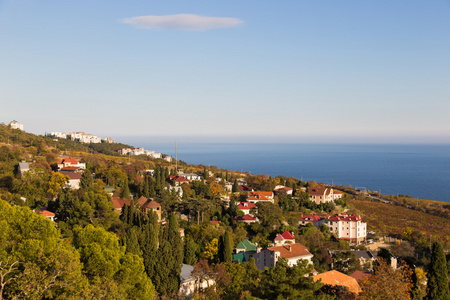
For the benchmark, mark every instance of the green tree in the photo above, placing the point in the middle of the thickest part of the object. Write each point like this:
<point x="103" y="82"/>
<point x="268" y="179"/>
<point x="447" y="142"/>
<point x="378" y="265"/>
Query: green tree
<point x="105" y="262"/>
<point x="437" y="284"/>
<point x="190" y="249"/>
<point x="132" y="241"/>
<point x="235" y="186"/>
<point x="42" y="265"/>
<point x="86" y="182"/>
<point x="226" y="250"/>
<point x="125" y="189"/>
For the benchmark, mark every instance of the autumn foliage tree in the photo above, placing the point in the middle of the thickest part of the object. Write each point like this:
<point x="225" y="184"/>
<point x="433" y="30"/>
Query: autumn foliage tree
<point x="387" y="283"/>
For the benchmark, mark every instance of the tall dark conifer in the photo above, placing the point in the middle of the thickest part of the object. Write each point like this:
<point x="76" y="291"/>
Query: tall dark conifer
<point x="437" y="284"/>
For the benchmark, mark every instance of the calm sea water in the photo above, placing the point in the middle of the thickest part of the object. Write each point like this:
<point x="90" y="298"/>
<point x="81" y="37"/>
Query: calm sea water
<point x="421" y="171"/>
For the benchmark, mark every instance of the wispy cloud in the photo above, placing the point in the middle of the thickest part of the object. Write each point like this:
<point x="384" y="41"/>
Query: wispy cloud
<point x="182" y="21"/>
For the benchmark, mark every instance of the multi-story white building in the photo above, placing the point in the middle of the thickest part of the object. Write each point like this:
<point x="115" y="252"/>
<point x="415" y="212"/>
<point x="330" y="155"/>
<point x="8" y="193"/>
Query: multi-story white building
<point x="16" y="125"/>
<point x="60" y="135"/>
<point x="84" y="137"/>
<point x="348" y="227"/>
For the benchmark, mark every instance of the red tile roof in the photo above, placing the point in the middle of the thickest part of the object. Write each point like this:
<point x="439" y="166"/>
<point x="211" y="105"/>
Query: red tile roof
<point x="46" y="213"/>
<point x="147" y="202"/>
<point x="119" y="203"/>
<point x="71" y="175"/>
<point x="243" y="188"/>
<point x="345" y="217"/>
<point x="360" y="275"/>
<point x="244" y="218"/>
<point x="69" y="160"/>
<point x="246" y="205"/>
<point x="290" y="250"/>
<point x="313" y="218"/>
<point x="70" y="168"/>
<point x="286" y="188"/>
<point x="288" y="236"/>
<point x="176" y="178"/>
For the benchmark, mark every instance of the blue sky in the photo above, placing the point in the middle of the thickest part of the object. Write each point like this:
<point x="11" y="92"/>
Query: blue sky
<point x="300" y="71"/>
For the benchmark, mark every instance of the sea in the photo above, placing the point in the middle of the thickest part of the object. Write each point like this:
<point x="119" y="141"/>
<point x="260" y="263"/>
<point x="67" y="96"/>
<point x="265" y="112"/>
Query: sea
<point x="420" y="171"/>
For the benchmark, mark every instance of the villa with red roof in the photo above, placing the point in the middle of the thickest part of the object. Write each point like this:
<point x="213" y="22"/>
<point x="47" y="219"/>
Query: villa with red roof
<point x="259" y="196"/>
<point x="246" y="207"/>
<point x="119" y="203"/>
<point x="291" y="252"/>
<point x="177" y="180"/>
<point x="348" y="227"/>
<point x="147" y="204"/>
<point x="71" y="163"/>
<point x="284" y="238"/>
<point x="247" y="219"/>
<point x="314" y="219"/>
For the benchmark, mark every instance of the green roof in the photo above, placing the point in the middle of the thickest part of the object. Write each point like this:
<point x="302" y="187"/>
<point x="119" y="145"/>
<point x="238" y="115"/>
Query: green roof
<point x="239" y="257"/>
<point x="246" y="245"/>
<point x="109" y="189"/>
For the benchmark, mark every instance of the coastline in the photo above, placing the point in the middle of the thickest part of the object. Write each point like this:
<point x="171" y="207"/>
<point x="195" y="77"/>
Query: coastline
<point x="392" y="169"/>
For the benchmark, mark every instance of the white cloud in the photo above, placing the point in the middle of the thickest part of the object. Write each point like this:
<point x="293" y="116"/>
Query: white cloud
<point x="182" y="21"/>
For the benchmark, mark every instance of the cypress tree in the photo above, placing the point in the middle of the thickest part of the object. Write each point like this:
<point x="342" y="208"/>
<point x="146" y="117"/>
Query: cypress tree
<point x="189" y="251"/>
<point x="157" y="179"/>
<point x="132" y="242"/>
<point x="150" y="249"/>
<point x="125" y="213"/>
<point x="226" y="176"/>
<point x="205" y="174"/>
<point x="437" y="285"/>
<point x="228" y="249"/>
<point x="126" y="190"/>
<point x="235" y="186"/>
<point x="146" y="188"/>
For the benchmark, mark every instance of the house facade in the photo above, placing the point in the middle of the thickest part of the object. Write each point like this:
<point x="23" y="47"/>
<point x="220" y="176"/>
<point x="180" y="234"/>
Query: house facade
<point x="284" y="239"/>
<point x="348" y="227"/>
<point x="314" y="219"/>
<point x="291" y="252"/>
<point x="321" y="195"/>
<point x="246" y="207"/>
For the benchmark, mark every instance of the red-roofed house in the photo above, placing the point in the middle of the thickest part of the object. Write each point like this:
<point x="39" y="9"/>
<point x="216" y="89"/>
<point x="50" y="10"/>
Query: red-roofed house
<point x="47" y="214"/>
<point x="259" y="196"/>
<point x="291" y="252"/>
<point x="246" y="207"/>
<point x="348" y="227"/>
<point x="177" y="180"/>
<point x="284" y="238"/>
<point x="314" y="219"/>
<point x="147" y="203"/>
<point x="245" y="219"/>
<point x="119" y="203"/>
<point x="360" y="275"/>
<point x="70" y="162"/>
<point x="337" y="195"/>
<point x="321" y="195"/>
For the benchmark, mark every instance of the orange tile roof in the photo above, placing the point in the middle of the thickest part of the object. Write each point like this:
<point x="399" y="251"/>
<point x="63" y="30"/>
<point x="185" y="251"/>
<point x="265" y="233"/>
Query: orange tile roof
<point x="70" y="160"/>
<point x="336" y="278"/>
<point x="291" y="250"/>
<point x="46" y="213"/>
<point x="119" y="203"/>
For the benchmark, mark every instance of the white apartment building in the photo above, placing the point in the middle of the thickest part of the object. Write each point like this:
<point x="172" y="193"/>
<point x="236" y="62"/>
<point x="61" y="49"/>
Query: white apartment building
<point x="84" y="137"/>
<point x="15" y="125"/>
<point x="348" y="227"/>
